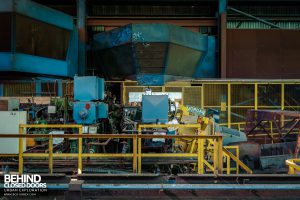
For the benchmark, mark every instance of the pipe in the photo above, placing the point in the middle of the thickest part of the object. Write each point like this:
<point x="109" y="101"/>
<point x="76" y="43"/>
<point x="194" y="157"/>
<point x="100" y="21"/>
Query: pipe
<point x="192" y="186"/>
<point x="177" y="186"/>
<point x="253" y="17"/>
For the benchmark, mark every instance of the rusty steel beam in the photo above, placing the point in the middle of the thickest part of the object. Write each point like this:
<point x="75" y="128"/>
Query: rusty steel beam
<point x="117" y="22"/>
<point x="223" y="46"/>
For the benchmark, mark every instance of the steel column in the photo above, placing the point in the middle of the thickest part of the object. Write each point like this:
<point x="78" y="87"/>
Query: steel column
<point x="223" y="37"/>
<point x="59" y="88"/>
<point x="222" y="6"/>
<point x="81" y="24"/>
<point x="1" y="90"/>
<point x="229" y="105"/>
<point x="38" y="88"/>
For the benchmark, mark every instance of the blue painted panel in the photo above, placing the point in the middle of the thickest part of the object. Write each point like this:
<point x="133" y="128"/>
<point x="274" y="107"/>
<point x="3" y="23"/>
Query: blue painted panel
<point x="157" y="79"/>
<point x="231" y="135"/>
<point x="113" y="37"/>
<point x="60" y="88"/>
<point x="169" y="33"/>
<point x="1" y="90"/>
<point x="85" y="112"/>
<point x="102" y="110"/>
<point x="150" y="33"/>
<point x="43" y="13"/>
<point x="39" y="65"/>
<point x="88" y="88"/>
<point x="222" y="6"/>
<point x="72" y="54"/>
<point x="181" y="43"/>
<point x="38" y="88"/>
<point x="32" y="64"/>
<point x="188" y="38"/>
<point x="207" y="67"/>
<point x="6" y="59"/>
<point x="101" y="88"/>
<point x="6" y="6"/>
<point x="155" y="108"/>
<point x="150" y="79"/>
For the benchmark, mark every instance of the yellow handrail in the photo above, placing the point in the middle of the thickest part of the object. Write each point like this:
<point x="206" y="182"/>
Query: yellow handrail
<point x="137" y="144"/>
<point x="293" y="167"/>
<point x="237" y="160"/>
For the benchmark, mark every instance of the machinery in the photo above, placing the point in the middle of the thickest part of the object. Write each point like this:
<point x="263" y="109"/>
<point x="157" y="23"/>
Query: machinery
<point x="99" y="113"/>
<point x="88" y="93"/>
<point x="157" y="103"/>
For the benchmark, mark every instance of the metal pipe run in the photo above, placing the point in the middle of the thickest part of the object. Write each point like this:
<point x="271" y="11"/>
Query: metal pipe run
<point x="180" y="186"/>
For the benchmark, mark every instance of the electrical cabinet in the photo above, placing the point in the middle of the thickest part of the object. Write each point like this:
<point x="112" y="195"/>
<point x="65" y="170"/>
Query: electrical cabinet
<point x="9" y="123"/>
<point x="155" y="108"/>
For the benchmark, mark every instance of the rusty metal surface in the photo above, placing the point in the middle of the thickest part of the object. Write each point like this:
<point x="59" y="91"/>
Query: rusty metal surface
<point x="3" y="105"/>
<point x="281" y="122"/>
<point x="189" y="23"/>
<point x="223" y="44"/>
<point x="263" y="53"/>
<point x="30" y="38"/>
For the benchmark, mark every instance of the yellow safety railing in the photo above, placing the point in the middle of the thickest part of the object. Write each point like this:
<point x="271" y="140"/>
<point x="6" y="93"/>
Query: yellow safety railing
<point x="232" y="97"/>
<point x="136" y="155"/>
<point x="237" y="160"/>
<point x="230" y="156"/>
<point x="78" y="136"/>
<point x="294" y="165"/>
<point x="228" y="168"/>
<point x="218" y="162"/>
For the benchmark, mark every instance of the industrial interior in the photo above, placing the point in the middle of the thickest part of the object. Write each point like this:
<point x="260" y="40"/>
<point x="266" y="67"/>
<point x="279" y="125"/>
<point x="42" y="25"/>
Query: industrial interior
<point x="152" y="99"/>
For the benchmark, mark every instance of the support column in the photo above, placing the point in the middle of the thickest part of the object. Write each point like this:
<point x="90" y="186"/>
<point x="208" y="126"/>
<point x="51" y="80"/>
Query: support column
<point x="81" y="25"/>
<point x="59" y="88"/>
<point x="222" y="37"/>
<point x="38" y="88"/>
<point x="1" y="90"/>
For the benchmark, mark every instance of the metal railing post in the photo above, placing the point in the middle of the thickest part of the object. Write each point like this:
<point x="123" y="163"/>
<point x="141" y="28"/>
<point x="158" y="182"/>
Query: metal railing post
<point x="216" y="156"/>
<point x="228" y="164"/>
<point x="282" y="96"/>
<point x="134" y="154"/>
<point x="21" y="132"/>
<point x="139" y="150"/>
<point x="220" y="154"/>
<point x="229" y="105"/>
<point x="237" y="164"/>
<point x="202" y="96"/>
<point x="50" y="144"/>
<point x="80" y="151"/>
<point x="255" y="96"/>
<point x="200" y="155"/>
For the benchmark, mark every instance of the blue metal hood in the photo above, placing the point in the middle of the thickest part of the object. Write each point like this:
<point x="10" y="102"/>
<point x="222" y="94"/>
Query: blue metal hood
<point x="153" y="54"/>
